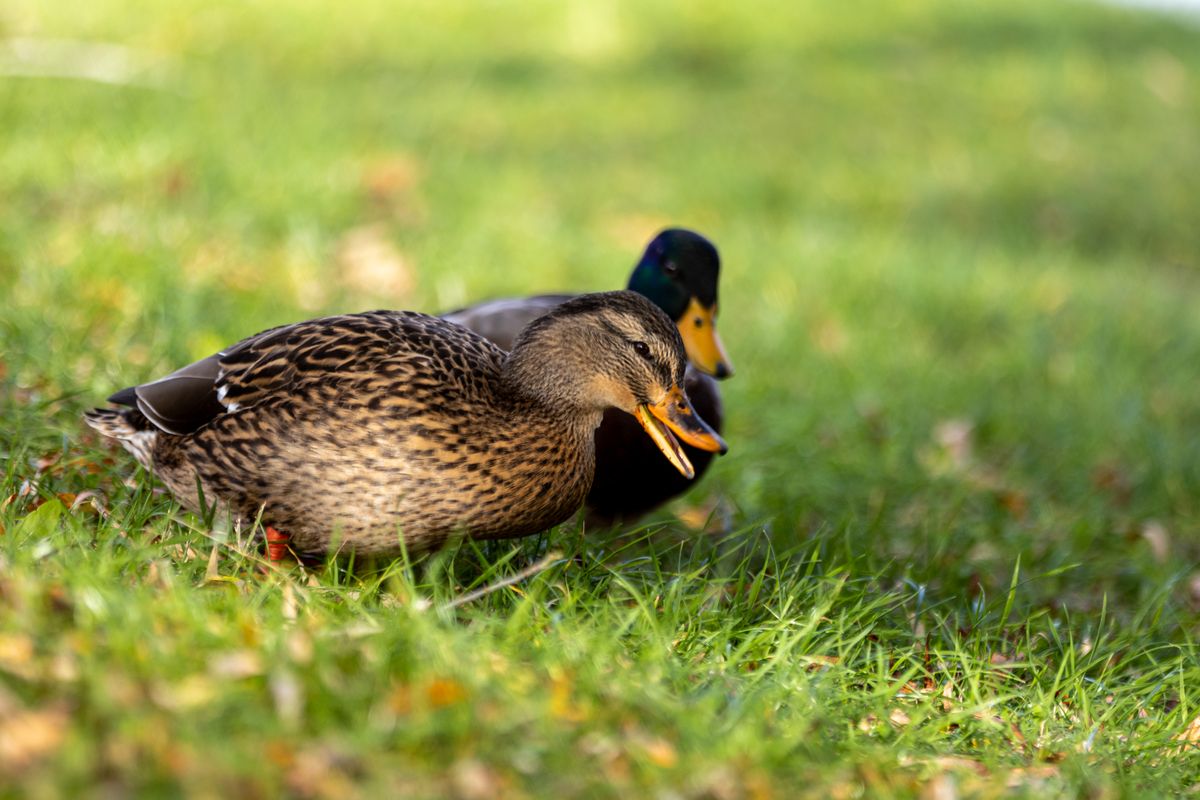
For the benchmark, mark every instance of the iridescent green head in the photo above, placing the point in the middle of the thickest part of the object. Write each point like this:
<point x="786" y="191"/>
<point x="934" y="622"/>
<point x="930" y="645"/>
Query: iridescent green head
<point x="679" y="273"/>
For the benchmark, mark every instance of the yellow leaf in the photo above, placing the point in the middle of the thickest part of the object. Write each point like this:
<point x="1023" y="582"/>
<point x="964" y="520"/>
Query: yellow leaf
<point x="660" y="752"/>
<point x="444" y="692"/>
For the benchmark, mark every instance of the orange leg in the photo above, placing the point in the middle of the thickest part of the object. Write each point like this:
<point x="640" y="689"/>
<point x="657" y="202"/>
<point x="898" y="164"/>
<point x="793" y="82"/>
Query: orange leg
<point x="277" y="546"/>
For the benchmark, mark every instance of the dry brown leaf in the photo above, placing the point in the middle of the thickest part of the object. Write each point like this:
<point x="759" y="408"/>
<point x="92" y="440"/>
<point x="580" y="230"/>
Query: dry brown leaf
<point x="288" y="603"/>
<point x="705" y="516"/>
<point x="1155" y="534"/>
<point x="1023" y="775"/>
<point x="17" y="655"/>
<point x="300" y="647"/>
<point x="391" y="178"/>
<point x="442" y="692"/>
<point x="474" y="780"/>
<point x="1112" y="479"/>
<point x="961" y="763"/>
<point x="955" y="437"/>
<point x="941" y="787"/>
<point x="1189" y="737"/>
<point x="818" y="662"/>
<point x="321" y="771"/>
<point x="899" y="718"/>
<point x="948" y="698"/>
<point x="27" y="736"/>
<point x="212" y="572"/>
<point x="235" y="665"/>
<point x="372" y="265"/>
<point x="659" y="751"/>
<point x="1017" y="737"/>
<point x="16" y="649"/>
<point x="47" y="461"/>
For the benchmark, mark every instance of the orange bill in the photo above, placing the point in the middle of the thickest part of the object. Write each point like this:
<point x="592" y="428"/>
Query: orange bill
<point x="698" y="326"/>
<point x="673" y="414"/>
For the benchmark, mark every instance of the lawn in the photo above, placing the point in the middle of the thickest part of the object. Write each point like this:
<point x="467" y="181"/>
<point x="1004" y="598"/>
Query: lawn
<point x="954" y="548"/>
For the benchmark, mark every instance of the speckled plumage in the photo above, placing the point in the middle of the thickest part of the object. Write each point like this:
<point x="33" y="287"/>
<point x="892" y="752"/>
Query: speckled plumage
<point x="353" y="430"/>
<point x="677" y="266"/>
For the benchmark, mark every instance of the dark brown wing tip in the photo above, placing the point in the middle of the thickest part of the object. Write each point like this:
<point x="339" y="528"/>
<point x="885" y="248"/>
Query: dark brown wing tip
<point x="125" y="397"/>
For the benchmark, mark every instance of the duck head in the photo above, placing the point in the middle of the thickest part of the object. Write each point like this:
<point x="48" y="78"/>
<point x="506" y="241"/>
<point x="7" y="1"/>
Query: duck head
<point x="679" y="273"/>
<point x="613" y="350"/>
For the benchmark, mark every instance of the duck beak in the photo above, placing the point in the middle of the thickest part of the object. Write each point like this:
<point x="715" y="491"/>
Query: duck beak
<point x="698" y="326"/>
<point x="675" y="413"/>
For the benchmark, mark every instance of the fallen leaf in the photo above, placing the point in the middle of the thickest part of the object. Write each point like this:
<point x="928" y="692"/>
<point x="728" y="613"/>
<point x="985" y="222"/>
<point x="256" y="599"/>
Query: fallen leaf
<point x="899" y="718"/>
<point x="288" y="695"/>
<point x="659" y="751"/>
<point x="16" y="655"/>
<point x="1155" y="534"/>
<point x="47" y="461"/>
<point x="300" y="647"/>
<point x="1113" y="480"/>
<point x="190" y="693"/>
<point x="562" y="704"/>
<point x="819" y="662"/>
<point x="941" y="787"/>
<point x="1023" y="775"/>
<point x="443" y="692"/>
<point x="372" y="265"/>
<point x="943" y="763"/>
<point x="1189" y="737"/>
<point x="322" y="771"/>
<point x="212" y="571"/>
<point x="391" y="178"/>
<point x="235" y="665"/>
<point x="29" y="736"/>
<point x="473" y="780"/>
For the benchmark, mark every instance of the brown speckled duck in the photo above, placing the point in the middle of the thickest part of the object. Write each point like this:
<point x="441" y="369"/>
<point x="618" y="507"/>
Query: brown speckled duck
<point x="679" y="273"/>
<point x="354" y="432"/>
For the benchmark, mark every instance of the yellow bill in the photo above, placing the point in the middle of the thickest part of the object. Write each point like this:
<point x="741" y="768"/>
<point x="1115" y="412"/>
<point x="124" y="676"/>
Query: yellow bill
<point x="698" y="327"/>
<point x="674" y="414"/>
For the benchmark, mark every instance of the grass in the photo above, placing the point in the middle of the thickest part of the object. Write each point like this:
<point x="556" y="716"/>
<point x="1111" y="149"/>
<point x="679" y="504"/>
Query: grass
<point x="959" y="525"/>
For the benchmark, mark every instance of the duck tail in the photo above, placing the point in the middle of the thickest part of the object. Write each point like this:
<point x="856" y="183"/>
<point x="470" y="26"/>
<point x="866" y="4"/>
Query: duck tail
<point x="128" y="426"/>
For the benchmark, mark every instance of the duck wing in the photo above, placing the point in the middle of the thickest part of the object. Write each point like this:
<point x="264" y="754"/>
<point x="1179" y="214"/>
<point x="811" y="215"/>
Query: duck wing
<point x="276" y="361"/>
<point x="501" y="320"/>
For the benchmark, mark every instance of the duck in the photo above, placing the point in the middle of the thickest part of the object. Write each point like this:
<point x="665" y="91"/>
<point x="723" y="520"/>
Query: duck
<point x="391" y="431"/>
<point x="679" y="272"/>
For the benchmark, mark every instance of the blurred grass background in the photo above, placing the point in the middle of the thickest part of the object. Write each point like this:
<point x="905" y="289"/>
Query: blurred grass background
<point x="960" y="243"/>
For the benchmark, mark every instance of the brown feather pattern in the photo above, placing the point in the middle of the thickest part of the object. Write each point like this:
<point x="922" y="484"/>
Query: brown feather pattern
<point x="356" y="430"/>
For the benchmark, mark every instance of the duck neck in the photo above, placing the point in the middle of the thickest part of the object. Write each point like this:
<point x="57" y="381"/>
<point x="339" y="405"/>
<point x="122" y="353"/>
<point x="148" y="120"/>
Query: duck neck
<point x="554" y="436"/>
<point x="557" y="373"/>
<point x="556" y="396"/>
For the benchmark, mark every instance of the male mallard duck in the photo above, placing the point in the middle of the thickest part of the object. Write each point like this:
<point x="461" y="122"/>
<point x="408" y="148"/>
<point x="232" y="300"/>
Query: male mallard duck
<point x="678" y="272"/>
<point x="354" y="431"/>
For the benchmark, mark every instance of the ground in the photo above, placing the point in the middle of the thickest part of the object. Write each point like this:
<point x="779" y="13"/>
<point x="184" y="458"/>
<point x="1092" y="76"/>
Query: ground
<point x="954" y="546"/>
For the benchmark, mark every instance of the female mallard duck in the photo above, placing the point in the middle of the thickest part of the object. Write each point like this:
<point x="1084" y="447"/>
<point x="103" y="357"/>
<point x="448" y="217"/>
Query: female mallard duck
<point x="358" y="431"/>
<point x="678" y="272"/>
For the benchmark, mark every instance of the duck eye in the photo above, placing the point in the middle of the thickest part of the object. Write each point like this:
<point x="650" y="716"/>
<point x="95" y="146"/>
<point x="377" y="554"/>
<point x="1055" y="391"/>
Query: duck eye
<point x="670" y="267"/>
<point x="642" y="350"/>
